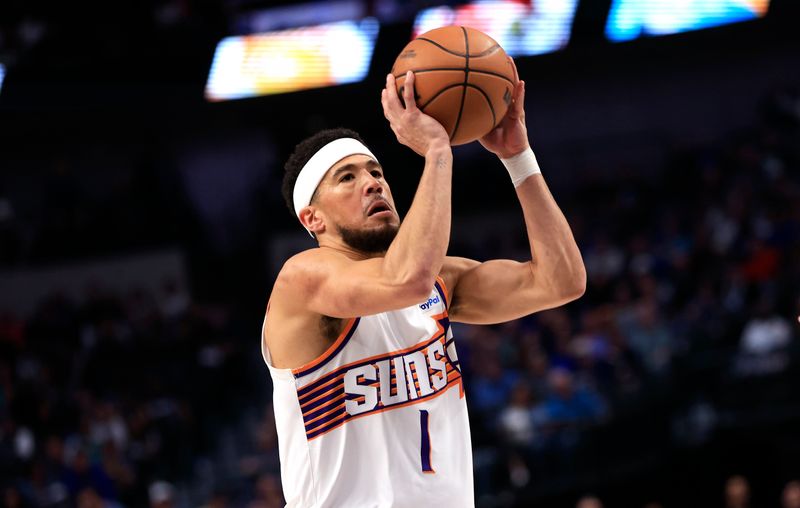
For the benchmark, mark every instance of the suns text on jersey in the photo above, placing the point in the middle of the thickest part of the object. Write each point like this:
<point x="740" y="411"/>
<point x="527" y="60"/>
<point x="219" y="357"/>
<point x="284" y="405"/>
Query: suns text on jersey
<point x="396" y="380"/>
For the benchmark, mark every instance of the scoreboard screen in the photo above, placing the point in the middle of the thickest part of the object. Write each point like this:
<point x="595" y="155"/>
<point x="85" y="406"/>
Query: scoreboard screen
<point x="290" y="60"/>
<point x="521" y="28"/>
<point x="630" y="19"/>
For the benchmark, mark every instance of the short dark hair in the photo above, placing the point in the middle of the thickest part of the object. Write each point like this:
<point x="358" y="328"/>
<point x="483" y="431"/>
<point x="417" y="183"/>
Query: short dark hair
<point x="304" y="151"/>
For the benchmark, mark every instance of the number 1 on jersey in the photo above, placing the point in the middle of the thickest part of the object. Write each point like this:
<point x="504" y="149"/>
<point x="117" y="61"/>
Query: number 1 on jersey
<point x="425" y="442"/>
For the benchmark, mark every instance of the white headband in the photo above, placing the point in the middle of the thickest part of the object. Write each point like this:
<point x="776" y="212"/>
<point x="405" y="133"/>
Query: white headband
<point x="319" y="164"/>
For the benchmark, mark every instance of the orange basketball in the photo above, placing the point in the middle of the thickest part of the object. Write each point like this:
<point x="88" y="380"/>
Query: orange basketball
<point x="463" y="79"/>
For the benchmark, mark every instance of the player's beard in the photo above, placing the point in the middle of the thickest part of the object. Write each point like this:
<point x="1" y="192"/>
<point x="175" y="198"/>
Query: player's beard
<point x="370" y="241"/>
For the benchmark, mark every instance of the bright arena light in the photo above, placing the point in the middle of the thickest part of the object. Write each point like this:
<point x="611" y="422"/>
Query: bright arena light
<point x="291" y="60"/>
<point x="630" y="19"/>
<point x="520" y="28"/>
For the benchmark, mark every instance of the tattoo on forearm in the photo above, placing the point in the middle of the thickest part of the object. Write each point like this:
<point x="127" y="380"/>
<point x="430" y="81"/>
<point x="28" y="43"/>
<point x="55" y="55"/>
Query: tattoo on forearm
<point x="441" y="162"/>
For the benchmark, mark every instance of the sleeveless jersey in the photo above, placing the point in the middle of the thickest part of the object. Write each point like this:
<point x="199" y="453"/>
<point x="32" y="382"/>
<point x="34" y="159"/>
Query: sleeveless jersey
<point x="379" y="419"/>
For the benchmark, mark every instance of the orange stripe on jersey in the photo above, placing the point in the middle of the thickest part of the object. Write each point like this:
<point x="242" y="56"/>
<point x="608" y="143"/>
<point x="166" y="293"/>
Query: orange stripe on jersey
<point x="324" y="356"/>
<point x="337" y="387"/>
<point x="338" y="407"/>
<point x="317" y="389"/>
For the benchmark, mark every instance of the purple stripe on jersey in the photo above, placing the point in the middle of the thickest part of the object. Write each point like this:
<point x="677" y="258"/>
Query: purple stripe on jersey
<point x="441" y="292"/>
<point x="318" y="389"/>
<point x="329" y="424"/>
<point x="445" y="322"/>
<point x="323" y="408"/>
<point x="425" y="442"/>
<point x="318" y="406"/>
<point x="334" y="353"/>
<point x="325" y="419"/>
<point x="305" y="392"/>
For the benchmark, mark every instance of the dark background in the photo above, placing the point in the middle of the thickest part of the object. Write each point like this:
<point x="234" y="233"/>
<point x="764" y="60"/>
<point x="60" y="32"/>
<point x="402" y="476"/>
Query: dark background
<point x="108" y="150"/>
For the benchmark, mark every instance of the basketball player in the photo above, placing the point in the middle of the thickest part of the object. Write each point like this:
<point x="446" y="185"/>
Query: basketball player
<point x="368" y="395"/>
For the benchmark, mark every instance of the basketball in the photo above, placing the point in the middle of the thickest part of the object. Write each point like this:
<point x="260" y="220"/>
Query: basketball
<point x="463" y="79"/>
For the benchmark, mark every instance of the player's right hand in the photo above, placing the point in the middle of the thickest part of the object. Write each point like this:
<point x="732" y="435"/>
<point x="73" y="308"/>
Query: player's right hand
<point x="413" y="128"/>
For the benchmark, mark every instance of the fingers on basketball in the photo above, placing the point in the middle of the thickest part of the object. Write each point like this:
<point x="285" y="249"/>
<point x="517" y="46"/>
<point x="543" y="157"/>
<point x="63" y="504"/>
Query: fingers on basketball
<point x="408" y="92"/>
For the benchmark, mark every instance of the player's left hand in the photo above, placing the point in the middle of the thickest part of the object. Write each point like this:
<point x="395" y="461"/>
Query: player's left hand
<point x="510" y="136"/>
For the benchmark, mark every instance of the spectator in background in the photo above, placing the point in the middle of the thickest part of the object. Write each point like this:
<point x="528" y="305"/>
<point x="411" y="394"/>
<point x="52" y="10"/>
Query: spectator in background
<point x="174" y="300"/>
<point x="764" y="341"/>
<point x="161" y="494"/>
<point x="267" y="493"/>
<point x="791" y="495"/>
<point x="261" y="453"/>
<point x="603" y="260"/>
<point x="89" y="498"/>
<point x="649" y="337"/>
<point x="83" y="474"/>
<point x="515" y="423"/>
<point x="737" y="492"/>
<point x="589" y="502"/>
<point x="491" y="384"/>
<point x="218" y="499"/>
<point x="568" y="404"/>
<point x="12" y="498"/>
<point x="593" y="350"/>
<point x="766" y="331"/>
<point x="568" y="408"/>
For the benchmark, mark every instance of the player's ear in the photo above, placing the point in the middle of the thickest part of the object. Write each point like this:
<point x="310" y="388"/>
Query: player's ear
<point x="312" y="219"/>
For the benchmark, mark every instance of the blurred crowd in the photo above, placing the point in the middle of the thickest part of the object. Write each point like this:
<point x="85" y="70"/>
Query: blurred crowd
<point x="735" y="494"/>
<point x="693" y="296"/>
<point x="107" y="402"/>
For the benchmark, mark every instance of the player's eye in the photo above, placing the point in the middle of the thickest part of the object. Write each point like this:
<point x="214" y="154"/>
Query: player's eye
<point x="377" y="174"/>
<point x="346" y="177"/>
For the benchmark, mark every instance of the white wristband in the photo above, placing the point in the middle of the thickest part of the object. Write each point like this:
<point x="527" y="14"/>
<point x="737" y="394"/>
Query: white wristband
<point x="521" y="166"/>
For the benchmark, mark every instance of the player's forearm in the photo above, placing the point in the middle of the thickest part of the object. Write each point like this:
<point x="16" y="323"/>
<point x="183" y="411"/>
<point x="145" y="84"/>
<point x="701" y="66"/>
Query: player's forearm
<point x="417" y="253"/>
<point x="555" y="256"/>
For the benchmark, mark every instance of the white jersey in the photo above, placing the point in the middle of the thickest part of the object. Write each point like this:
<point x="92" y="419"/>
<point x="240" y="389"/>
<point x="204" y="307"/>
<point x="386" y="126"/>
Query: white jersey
<point x="380" y="419"/>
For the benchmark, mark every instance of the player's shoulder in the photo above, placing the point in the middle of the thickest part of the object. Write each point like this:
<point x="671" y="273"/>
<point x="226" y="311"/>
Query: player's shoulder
<point x="309" y="264"/>
<point x="452" y="269"/>
<point x="457" y="264"/>
<point x="312" y="258"/>
<point x="300" y="265"/>
<point x="454" y="266"/>
<point x="298" y="275"/>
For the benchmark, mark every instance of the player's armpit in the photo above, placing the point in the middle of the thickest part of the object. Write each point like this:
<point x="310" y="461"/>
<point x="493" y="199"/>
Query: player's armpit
<point x="327" y="282"/>
<point x="499" y="290"/>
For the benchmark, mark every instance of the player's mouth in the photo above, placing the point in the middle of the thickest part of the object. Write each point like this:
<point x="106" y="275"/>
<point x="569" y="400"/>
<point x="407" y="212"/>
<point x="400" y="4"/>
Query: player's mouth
<point x="379" y="208"/>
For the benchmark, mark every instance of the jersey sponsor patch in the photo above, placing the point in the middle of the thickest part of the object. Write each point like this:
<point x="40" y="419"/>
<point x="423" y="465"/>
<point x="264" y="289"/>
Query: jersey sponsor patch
<point x="430" y="302"/>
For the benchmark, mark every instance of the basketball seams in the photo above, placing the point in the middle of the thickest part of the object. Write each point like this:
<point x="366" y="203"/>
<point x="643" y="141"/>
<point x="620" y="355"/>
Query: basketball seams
<point x="464" y="86"/>
<point x="456" y="53"/>
<point x="440" y="92"/>
<point x="485" y="52"/>
<point x="488" y="102"/>
<point x="460" y="69"/>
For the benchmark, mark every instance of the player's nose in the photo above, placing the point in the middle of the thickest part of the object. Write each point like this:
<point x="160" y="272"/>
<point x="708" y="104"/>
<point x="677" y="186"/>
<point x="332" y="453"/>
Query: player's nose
<point x="372" y="185"/>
